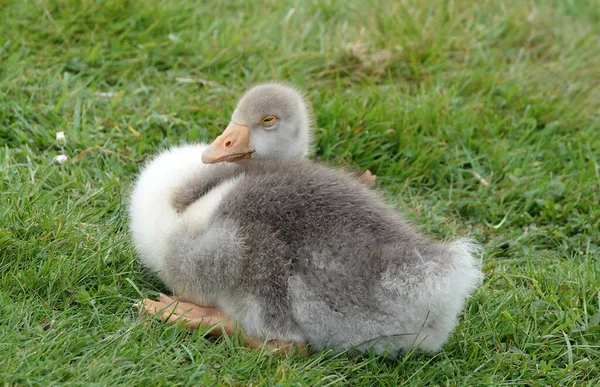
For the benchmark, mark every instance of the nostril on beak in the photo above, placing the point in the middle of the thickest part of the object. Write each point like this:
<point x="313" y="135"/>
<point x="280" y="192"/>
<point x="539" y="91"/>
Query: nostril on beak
<point x="227" y="144"/>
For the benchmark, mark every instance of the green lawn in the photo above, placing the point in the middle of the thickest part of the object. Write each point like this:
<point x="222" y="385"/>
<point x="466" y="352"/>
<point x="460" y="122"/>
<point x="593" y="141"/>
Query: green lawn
<point x="478" y="117"/>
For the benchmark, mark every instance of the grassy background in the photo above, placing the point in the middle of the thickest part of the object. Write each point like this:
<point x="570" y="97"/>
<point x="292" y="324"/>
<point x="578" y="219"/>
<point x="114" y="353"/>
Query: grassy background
<point x="427" y="94"/>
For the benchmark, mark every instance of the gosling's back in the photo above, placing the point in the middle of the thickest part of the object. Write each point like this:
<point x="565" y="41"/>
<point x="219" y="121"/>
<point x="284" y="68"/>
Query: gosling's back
<point x="351" y="270"/>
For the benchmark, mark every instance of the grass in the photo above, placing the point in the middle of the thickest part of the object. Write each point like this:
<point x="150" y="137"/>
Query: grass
<point x="479" y="117"/>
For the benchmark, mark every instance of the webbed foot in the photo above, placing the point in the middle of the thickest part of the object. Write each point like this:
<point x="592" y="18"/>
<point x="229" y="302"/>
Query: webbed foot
<point x="174" y="311"/>
<point x="368" y="177"/>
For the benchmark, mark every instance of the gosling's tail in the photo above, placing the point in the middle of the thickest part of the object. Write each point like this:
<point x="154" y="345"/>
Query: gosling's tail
<point x="466" y="262"/>
<point x="458" y="277"/>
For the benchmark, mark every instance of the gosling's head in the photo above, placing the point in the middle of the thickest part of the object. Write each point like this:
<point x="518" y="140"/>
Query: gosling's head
<point x="271" y="121"/>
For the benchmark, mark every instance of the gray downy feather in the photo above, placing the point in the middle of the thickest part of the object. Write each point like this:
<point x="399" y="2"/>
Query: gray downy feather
<point x="299" y="251"/>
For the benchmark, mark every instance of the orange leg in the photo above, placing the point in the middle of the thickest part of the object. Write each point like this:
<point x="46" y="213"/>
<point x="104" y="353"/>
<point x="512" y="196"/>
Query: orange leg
<point x="173" y="311"/>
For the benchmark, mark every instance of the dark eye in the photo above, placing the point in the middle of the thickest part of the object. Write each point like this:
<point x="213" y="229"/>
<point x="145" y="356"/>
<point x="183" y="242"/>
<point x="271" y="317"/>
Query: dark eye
<point x="268" y="120"/>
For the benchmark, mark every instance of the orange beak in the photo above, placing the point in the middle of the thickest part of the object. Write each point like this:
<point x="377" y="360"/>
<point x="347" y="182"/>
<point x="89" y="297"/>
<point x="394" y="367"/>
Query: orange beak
<point x="232" y="145"/>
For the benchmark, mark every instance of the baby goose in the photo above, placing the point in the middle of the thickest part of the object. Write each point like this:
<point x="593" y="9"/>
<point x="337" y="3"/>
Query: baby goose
<point x="184" y="228"/>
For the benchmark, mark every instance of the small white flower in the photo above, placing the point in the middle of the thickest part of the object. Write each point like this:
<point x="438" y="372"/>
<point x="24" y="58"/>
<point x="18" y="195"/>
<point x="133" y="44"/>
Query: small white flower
<point x="61" y="159"/>
<point x="60" y="136"/>
<point x="106" y="94"/>
<point x="174" y="38"/>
